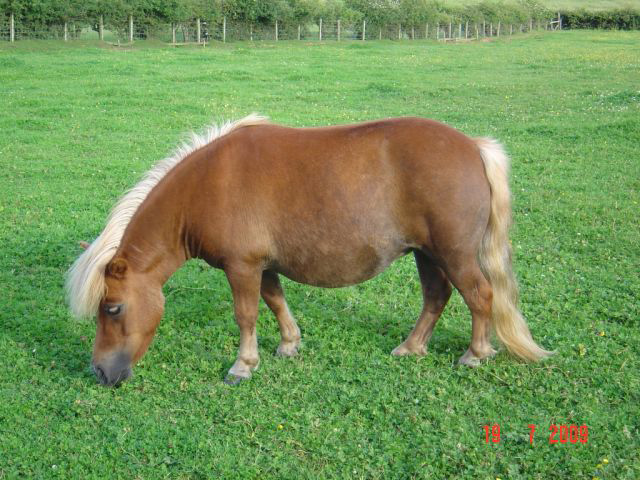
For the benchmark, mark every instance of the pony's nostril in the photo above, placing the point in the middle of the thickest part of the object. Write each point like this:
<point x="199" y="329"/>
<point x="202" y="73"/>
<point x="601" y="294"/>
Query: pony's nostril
<point x="113" y="370"/>
<point x="100" y="374"/>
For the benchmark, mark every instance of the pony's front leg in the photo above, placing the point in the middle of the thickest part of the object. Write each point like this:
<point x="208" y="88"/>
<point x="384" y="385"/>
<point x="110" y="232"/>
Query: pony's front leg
<point x="245" y="287"/>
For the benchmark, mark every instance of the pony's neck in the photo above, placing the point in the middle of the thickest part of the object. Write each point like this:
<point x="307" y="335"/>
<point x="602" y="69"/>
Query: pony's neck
<point x="153" y="243"/>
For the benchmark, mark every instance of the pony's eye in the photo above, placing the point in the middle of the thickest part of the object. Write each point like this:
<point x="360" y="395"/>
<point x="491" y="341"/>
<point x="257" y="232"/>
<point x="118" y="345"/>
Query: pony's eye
<point x="113" y="309"/>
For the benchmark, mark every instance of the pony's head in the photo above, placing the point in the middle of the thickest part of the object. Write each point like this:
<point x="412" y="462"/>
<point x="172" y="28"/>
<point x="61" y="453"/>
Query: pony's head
<point x="127" y="318"/>
<point x="101" y="283"/>
<point x="126" y="304"/>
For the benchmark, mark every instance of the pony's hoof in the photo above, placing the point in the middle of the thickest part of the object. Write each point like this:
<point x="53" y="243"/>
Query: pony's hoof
<point x="234" y="380"/>
<point x="402" y="350"/>
<point x="469" y="359"/>
<point x="287" y="350"/>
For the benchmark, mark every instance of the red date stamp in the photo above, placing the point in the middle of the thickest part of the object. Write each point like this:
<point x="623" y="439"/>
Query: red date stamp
<point x="558" y="433"/>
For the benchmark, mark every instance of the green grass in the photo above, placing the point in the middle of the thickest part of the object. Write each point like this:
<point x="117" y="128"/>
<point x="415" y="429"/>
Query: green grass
<point x="570" y="5"/>
<point x="80" y="123"/>
<point x="588" y="5"/>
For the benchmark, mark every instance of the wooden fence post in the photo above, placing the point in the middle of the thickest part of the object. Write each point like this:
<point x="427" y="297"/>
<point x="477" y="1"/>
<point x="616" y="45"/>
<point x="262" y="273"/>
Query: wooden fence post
<point x="101" y="28"/>
<point x="413" y="33"/>
<point x="530" y="24"/>
<point x="438" y="31"/>
<point x="198" y="31"/>
<point x="477" y="33"/>
<point x="559" y="21"/>
<point x="466" y="30"/>
<point x="364" y="29"/>
<point x="66" y="32"/>
<point x="276" y="30"/>
<point x="499" y="23"/>
<point x="224" y="30"/>
<point x="449" y="29"/>
<point x="426" y="32"/>
<point x="379" y="33"/>
<point x="173" y="33"/>
<point x="12" y="28"/>
<point x="484" y="28"/>
<point x="511" y="29"/>
<point x="298" y="32"/>
<point x="338" y="29"/>
<point x="320" y="32"/>
<point x="459" y="30"/>
<point x="251" y="32"/>
<point x="399" y="32"/>
<point x="130" y="28"/>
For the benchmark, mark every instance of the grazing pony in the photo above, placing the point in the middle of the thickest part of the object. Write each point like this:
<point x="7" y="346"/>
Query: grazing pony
<point x="329" y="207"/>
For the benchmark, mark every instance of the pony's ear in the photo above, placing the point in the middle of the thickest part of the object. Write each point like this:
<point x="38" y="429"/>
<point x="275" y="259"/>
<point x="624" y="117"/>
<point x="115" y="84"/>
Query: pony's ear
<point x="117" y="268"/>
<point x="83" y="245"/>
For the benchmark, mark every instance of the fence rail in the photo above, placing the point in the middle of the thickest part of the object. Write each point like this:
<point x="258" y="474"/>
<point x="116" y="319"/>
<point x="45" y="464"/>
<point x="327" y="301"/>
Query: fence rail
<point x="202" y="32"/>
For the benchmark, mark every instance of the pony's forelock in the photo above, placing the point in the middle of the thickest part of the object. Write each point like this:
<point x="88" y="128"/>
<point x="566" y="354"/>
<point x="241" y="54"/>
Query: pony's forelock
<point x="85" y="283"/>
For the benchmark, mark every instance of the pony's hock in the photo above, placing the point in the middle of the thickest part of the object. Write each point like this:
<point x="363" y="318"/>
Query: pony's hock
<point x="328" y="207"/>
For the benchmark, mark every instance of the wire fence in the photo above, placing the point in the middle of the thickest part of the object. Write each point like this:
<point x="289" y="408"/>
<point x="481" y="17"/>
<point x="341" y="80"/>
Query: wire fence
<point x="203" y="32"/>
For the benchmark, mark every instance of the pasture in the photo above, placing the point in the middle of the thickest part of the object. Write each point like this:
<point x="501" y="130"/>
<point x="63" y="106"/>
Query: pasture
<point x="570" y="5"/>
<point x="80" y="123"/>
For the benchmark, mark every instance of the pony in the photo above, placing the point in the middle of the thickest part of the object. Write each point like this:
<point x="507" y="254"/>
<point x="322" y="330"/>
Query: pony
<point x="324" y="206"/>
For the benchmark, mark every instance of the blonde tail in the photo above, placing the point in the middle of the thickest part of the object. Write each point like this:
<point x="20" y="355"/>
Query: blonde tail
<point x="495" y="258"/>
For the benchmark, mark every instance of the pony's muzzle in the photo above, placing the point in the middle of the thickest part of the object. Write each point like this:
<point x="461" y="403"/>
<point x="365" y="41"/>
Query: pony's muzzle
<point x="114" y="370"/>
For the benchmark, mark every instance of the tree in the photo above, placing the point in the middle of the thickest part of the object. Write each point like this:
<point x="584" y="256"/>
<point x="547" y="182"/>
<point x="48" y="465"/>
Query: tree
<point x="13" y="6"/>
<point x="376" y="12"/>
<point x="414" y="13"/>
<point x="303" y="11"/>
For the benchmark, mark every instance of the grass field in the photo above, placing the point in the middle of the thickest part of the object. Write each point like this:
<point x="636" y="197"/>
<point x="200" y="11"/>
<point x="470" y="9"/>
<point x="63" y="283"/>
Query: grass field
<point x="588" y="4"/>
<point x="570" y="5"/>
<point x="80" y="123"/>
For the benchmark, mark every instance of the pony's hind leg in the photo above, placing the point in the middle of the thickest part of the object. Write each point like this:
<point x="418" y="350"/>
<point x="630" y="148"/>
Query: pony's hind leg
<point x="273" y="296"/>
<point x="477" y="293"/>
<point x="245" y="287"/>
<point x="436" y="290"/>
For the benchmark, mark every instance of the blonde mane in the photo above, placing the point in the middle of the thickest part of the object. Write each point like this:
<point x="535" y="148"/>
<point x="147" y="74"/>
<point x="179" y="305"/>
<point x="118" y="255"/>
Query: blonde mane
<point x="85" y="283"/>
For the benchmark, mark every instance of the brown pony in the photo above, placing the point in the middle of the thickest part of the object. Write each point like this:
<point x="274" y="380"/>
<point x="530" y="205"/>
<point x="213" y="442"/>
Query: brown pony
<point x="330" y="207"/>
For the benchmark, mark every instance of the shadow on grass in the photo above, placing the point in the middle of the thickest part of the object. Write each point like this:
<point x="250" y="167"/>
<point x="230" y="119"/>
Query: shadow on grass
<point x="37" y="320"/>
<point x="53" y="347"/>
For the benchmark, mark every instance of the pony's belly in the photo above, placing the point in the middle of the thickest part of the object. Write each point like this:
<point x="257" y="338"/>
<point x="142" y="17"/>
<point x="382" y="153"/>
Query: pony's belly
<point x="339" y="270"/>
